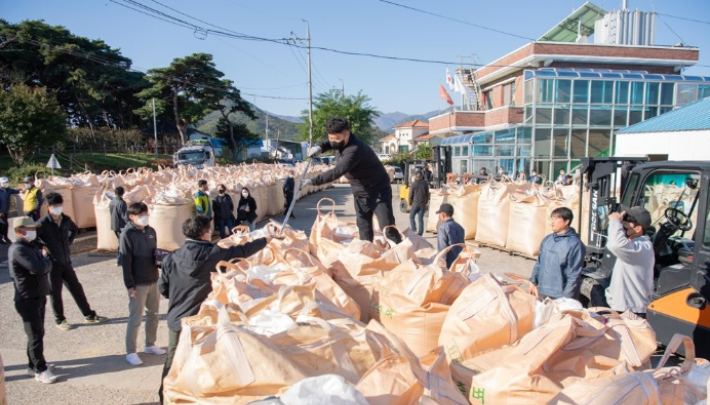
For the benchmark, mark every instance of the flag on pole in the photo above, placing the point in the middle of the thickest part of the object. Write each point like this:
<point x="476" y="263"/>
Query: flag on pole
<point x="458" y="85"/>
<point x="444" y="95"/>
<point x="449" y="80"/>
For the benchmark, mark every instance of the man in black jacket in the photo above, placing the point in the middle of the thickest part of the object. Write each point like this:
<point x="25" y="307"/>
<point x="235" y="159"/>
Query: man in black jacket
<point x="368" y="178"/>
<point x="288" y="189"/>
<point x="29" y="268"/>
<point x="118" y="209"/>
<point x="140" y="275"/>
<point x="185" y="279"/>
<point x="57" y="232"/>
<point x="418" y="200"/>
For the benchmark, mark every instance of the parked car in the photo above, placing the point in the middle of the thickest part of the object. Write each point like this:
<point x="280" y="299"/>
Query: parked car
<point x="383" y="157"/>
<point x="398" y="174"/>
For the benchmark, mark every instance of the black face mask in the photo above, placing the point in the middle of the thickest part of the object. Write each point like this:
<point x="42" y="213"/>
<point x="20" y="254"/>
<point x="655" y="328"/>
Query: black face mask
<point x="221" y="191"/>
<point x="337" y="145"/>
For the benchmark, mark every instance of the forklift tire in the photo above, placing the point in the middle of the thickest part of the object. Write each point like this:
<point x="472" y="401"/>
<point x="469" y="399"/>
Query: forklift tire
<point x="403" y="206"/>
<point x="592" y="294"/>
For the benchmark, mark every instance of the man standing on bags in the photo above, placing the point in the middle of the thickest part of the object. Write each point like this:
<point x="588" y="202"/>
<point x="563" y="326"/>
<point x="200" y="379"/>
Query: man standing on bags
<point x="140" y="275"/>
<point x="631" y="285"/>
<point x="418" y="200"/>
<point x="558" y="270"/>
<point x="6" y="194"/>
<point x="32" y="199"/>
<point x="57" y="232"/>
<point x="118" y="209"/>
<point x="185" y="279"/>
<point x="370" y="182"/>
<point x="288" y="189"/>
<point x="29" y="268"/>
<point x="202" y="200"/>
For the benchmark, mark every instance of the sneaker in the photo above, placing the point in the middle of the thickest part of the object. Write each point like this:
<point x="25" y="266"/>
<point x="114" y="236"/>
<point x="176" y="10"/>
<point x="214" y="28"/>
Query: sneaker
<point x="154" y="350"/>
<point x="31" y="371"/>
<point x="46" y="377"/>
<point x="64" y="325"/>
<point x="133" y="359"/>
<point x="96" y="319"/>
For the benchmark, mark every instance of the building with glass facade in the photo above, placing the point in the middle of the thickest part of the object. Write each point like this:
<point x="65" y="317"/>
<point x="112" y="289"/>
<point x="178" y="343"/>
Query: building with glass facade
<point x="570" y="113"/>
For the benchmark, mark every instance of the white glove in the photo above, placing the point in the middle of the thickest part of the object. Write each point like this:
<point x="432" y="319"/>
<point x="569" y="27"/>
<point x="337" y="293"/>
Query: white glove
<point x="314" y="151"/>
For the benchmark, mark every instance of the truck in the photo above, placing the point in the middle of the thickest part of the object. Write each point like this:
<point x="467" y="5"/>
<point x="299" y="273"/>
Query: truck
<point x="197" y="153"/>
<point x="677" y="194"/>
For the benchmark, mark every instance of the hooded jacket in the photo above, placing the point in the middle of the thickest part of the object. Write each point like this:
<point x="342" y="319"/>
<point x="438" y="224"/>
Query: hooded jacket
<point x="185" y="280"/>
<point x="57" y="237"/>
<point x="242" y="214"/>
<point x="223" y="207"/>
<point x="29" y="270"/>
<point x="359" y="164"/>
<point x="558" y="270"/>
<point x="137" y="255"/>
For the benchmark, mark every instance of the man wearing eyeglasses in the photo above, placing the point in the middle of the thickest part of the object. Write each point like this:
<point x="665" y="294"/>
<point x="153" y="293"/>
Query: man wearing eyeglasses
<point x="631" y="284"/>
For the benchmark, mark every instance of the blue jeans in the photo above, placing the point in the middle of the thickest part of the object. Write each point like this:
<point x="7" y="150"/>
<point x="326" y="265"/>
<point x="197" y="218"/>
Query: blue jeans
<point x="225" y="223"/>
<point x="417" y="210"/>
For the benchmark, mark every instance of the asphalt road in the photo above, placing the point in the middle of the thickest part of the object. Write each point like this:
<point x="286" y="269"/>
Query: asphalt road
<point x="91" y="358"/>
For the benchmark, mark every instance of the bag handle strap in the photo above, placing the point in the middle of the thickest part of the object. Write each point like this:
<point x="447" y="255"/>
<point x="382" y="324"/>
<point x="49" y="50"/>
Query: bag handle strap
<point x="330" y="200"/>
<point x="676" y="341"/>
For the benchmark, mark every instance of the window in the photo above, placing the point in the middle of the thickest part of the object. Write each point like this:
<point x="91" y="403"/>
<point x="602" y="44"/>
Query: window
<point x="403" y="148"/>
<point x="543" y="115"/>
<point x="482" y="150"/>
<point x="464" y="167"/>
<point x="505" y="136"/>
<point x="464" y="151"/>
<point x="651" y="93"/>
<point x="560" y="138"/>
<point x="563" y="91"/>
<point x="664" y="183"/>
<point x="703" y="91"/>
<point x="580" y="115"/>
<point x="487" y="164"/>
<point x="485" y="137"/>
<point x="602" y="91"/>
<point x="635" y="115"/>
<point x="628" y="193"/>
<point x="599" y="142"/>
<point x="524" y="135"/>
<point x="650" y="112"/>
<point x="637" y="93"/>
<point x="562" y="114"/>
<point x="600" y="116"/>
<point x="505" y="150"/>
<point x="507" y="93"/>
<point x="524" y="150"/>
<point x="542" y="167"/>
<point x="545" y="91"/>
<point x="387" y="149"/>
<point x="620" y="114"/>
<point x="542" y="143"/>
<point x="457" y="151"/>
<point x="528" y="92"/>
<point x="488" y="98"/>
<point x="578" y="143"/>
<point x="686" y="94"/>
<point x="581" y="91"/>
<point x="667" y="90"/>
<point x="622" y="92"/>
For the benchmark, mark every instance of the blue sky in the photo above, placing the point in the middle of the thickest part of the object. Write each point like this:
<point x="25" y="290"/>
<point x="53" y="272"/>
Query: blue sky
<point x="371" y="26"/>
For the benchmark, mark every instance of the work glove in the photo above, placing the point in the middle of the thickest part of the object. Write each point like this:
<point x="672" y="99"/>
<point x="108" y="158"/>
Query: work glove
<point x="314" y="151"/>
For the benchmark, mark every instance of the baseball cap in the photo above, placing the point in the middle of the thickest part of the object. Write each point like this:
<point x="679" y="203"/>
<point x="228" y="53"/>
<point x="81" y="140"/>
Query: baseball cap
<point x="447" y="209"/>
<point x="27" y="222"/>
<point x="637" y="215"/>
<point x="4" y="180"/>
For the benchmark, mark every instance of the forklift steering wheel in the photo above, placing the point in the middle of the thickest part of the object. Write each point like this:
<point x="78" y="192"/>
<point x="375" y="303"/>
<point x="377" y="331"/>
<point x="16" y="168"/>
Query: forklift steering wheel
<point x="678" y="219"/>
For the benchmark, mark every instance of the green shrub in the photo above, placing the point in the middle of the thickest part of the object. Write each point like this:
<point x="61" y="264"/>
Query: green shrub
<point x="17" y="174"/>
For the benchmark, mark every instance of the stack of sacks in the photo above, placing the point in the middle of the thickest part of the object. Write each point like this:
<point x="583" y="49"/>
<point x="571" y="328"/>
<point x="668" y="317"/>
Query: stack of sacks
<point x="464" y="199"/>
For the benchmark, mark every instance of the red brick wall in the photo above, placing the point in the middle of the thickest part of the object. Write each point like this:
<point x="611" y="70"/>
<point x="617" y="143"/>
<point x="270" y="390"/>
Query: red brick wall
<point x="506" y="115"/>
<point x="477" y="119"/>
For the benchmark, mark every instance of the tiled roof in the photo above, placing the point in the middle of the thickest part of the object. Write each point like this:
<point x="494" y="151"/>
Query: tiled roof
<point x="387" y="138"/>
<point x="415" y="123"/>
<point x="693" y="117"/>
<point x="424" y="137"/>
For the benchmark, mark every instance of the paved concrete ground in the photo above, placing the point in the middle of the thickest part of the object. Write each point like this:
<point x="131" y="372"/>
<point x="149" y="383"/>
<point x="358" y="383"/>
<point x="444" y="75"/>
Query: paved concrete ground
<point x="90" y="358"/>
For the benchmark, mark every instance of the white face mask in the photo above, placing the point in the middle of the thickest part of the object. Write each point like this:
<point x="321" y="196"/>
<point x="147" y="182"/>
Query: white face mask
<point x="5" y="185"/>
<point x="143" y="220"/>
<point x="245" y="194"/>
<point x="30" y="235"/>
<point x="57" y="210"/>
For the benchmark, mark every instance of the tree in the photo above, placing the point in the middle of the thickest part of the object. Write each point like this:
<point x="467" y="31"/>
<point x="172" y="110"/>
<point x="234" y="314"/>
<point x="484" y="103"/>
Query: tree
<point x="233" y="103"/>
<point x="238" y="133"/>
<point x="424" y="152"/>
<point x="354" y="108"/>
<point x="191" y="87"/>
<point x="30" y="118"/>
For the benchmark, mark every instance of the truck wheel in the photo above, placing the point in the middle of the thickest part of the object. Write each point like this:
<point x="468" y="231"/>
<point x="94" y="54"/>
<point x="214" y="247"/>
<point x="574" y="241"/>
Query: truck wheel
<point x="403" y="206"/>
<point x="592" y="293"/>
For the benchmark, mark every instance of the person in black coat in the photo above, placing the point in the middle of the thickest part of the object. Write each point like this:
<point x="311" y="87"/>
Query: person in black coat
<point x="288" y="189"/>
<point x="119" y="216"/>
<point x="418" y="200"/>
<point x="185" y="279"/>
<point x="29" y="269"/>
<point x="223" y="208"/>
<point x="246" y="211"/>
<point x="57" y="232"/>
<point x="368" y="178"/>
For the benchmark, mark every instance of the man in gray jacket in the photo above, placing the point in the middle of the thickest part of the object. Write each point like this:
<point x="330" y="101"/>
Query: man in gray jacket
<point x="631" y="284"/>
<point x="558" y="270"/>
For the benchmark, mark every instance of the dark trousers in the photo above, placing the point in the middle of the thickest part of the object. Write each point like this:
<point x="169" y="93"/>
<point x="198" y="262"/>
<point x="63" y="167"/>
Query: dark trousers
<point x="223" y="224"/>
<point x="3" y="227"/>
<point x="33" y="214"/>
<point x="32" y="313"/>
<point x="418" y="212"/>
<point x="118" y="252"/>
<point x="379" y="204"/>
<point x="173" y="338"/>
<point x="64" y="275"/>
<point x="288" y="195"/>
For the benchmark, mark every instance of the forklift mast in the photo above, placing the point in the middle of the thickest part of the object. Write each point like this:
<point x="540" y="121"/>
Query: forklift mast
<point x="442" y="163"/>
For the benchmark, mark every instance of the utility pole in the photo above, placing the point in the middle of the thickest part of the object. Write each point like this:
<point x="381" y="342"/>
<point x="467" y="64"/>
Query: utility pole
<point x="155" y="130"/>
<point x="343" y="88"/>
<point x="310" y="87"/>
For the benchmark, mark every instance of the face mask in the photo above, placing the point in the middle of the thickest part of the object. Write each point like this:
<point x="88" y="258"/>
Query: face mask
<point x="245" y="194"/>
<point x="337" y="145"/>
<point x="30" y="235"/>
<point x="57" y="210"/>
<point x="5" y="185"/>
<point x="222" y="191"/>
<point x="28" y="185"/>
<point x="143" y="220"/>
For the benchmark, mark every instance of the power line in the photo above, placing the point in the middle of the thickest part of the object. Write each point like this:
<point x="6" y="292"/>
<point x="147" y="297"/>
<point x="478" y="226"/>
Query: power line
<point x="685" y="18"/>
<point x="257" y="59"/>
<point x="653" y="7"/>
<point x="456" y="20"/>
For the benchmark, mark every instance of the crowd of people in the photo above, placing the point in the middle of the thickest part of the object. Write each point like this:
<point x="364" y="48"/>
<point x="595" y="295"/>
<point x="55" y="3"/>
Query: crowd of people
<point x="40" y="257"/>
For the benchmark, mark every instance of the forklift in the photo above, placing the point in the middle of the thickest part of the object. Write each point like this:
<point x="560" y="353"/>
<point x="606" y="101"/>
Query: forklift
<point x="682" y="248"/>
<point x="440" y="165"/>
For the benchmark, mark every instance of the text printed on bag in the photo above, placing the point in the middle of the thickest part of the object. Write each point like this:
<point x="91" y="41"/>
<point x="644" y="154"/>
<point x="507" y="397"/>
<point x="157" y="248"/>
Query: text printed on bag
<point x="478" y="393"/>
